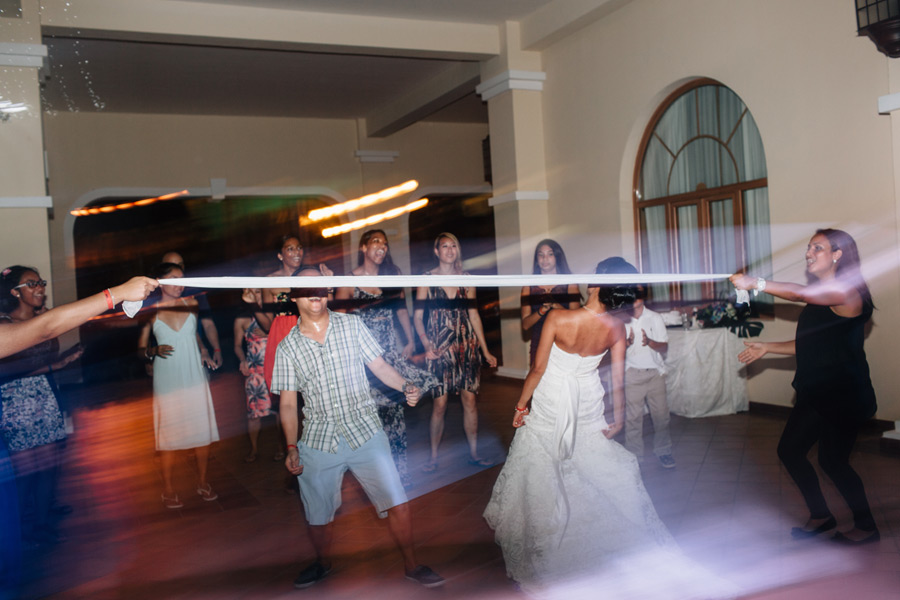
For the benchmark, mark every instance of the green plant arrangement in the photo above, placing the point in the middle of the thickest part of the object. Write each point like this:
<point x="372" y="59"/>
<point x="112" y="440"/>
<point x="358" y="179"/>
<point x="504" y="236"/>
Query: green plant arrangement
<point x="727" y="314"/>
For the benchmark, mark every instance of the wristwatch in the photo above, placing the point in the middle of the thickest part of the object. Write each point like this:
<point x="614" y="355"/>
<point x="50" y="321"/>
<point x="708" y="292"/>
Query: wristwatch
<point x="760" y="286"/>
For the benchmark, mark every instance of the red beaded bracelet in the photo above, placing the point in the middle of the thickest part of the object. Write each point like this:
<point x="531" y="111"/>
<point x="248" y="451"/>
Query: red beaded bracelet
<point x="521" y="409"/>
<point x="289" y="446"/>
<point x="109" y="299"/>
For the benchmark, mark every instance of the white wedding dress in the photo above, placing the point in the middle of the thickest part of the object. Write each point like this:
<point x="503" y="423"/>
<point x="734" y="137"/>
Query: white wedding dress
<point x="569" y="505"/>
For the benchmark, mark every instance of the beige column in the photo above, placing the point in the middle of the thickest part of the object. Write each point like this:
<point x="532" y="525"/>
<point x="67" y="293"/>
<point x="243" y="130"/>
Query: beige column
<point x="890" y="105"/>
<point x="24" y="236"/>
<point x="511" y="85"/>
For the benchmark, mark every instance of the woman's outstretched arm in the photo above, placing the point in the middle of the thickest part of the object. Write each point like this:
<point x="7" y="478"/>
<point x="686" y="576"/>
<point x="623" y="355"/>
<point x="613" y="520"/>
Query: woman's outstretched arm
<point x="15" y="337"/>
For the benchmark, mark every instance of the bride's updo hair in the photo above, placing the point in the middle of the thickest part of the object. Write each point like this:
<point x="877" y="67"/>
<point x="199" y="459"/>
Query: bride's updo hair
<point x="617" y="296"/>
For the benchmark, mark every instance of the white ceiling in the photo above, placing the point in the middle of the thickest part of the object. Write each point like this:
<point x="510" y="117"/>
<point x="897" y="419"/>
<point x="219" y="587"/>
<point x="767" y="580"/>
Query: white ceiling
<point x="122" y="75"/>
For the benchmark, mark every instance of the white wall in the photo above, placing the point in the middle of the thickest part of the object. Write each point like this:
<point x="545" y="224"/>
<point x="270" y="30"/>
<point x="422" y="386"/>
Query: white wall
<point x="812" y="87"/>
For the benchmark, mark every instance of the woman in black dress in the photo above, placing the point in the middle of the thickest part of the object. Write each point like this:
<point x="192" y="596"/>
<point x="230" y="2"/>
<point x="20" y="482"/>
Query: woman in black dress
<point x="834" y="391"/>
<point x="538" y="300"/>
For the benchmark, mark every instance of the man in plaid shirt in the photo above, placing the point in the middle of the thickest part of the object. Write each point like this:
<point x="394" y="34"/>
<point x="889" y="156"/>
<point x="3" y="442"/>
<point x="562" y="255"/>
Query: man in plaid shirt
<point x="325" y="356"/>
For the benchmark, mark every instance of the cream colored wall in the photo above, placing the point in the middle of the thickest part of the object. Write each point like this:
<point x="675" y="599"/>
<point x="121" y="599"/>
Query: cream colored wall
<point x="812" y="87"/>
<point x="23" y="231"/>
<point x="91" y="151"/>
<point x="424" y="151"/>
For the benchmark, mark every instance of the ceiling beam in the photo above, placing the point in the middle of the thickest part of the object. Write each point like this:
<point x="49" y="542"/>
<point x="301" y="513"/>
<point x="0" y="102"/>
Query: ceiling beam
<point x="179" y="21"/>
<point x="557" y="20"/>
<point x="417" y="103"/>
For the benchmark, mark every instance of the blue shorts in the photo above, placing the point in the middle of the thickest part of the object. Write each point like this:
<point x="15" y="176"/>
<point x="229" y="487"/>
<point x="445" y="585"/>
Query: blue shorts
<point x="323" y="473"/>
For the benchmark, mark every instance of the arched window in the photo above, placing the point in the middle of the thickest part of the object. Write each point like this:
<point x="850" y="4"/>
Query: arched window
<point x="700" y="196"/>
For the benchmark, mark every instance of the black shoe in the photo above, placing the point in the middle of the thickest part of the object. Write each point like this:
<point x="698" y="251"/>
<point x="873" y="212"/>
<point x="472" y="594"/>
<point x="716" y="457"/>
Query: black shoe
<point x="798" y="533"/>
<point x="873" y="536"/>
<point x="312" y="574"/>
<point x="666" y="461"/>
<point x="425" y="577"/>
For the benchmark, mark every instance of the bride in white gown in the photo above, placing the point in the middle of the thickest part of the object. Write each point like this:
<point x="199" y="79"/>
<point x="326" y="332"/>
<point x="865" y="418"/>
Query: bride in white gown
<point x="569" y="502"/>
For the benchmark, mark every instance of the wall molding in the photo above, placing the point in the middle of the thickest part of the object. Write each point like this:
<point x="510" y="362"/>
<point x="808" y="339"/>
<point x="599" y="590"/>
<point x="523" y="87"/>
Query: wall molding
<point x="26" y="202"/>
<point x="511" y="80"/>
<point x="22" y="55"/>
<point x="888" y="104"/>
<point x="376" y="156"/>
<point x="519" y="196"/>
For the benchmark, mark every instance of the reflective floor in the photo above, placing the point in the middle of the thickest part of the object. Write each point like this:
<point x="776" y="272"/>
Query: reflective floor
<point x="728" y="503"/>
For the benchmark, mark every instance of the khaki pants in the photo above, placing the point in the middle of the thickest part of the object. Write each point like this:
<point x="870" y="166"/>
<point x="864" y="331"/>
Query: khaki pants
<point x="646" y="385"/>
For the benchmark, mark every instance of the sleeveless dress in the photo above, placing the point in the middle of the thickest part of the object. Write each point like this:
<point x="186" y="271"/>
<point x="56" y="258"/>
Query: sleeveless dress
<point x="378" y="315"/>
<point x="183" y="413"/>
<point x="284" y="321"/>
<point x="832" y="372"/>
<point x="569" y="502"/>
<point x="459" y="365"/>
<point x="536" y="298"/>
<point x="29" y="414"/>
<point x="259" y="402"/>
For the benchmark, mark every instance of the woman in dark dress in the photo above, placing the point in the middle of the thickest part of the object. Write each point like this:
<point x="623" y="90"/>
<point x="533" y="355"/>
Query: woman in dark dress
<point x="378" y="307"/>
<point x="454" y="343"/>
<point x="538" y="300"/>
<point x="834" y="391"/>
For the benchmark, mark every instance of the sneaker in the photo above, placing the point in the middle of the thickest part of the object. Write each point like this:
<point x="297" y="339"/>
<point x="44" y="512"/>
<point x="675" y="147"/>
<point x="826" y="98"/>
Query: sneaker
<point x="666" y="461"/>
<point x="425" y="577"/>
<point x="310" y="575"/>
<point x="172" y="502"/>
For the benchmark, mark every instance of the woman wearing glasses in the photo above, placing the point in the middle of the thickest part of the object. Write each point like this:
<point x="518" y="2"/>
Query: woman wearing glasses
<point x="32" y="423"/>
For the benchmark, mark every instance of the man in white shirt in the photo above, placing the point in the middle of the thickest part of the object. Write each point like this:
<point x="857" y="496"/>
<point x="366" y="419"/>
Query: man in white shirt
<point x="645" y="381"/>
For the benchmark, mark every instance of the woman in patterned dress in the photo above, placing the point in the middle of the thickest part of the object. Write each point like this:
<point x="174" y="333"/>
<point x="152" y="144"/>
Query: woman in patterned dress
<point x="377" y="308"/>
<point x="259" y="401"/>
<point x="538" y="300"/>
<point x="452" y="339"/>
<point x="32" y="423"/>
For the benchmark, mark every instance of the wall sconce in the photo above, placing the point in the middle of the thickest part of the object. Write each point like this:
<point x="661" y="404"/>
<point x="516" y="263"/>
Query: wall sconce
<point x="7" y="108"/>
<point x="880" y="20"/>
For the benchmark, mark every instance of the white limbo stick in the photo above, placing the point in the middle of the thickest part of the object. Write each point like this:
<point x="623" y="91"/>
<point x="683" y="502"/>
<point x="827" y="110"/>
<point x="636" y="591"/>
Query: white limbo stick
<point x="406" y="281"/>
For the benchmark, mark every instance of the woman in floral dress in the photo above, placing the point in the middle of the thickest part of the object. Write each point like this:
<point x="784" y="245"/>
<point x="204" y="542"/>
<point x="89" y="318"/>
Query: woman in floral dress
<point x="259" y="401"/>
<point x="32" y="423"/>
<point x="452" y="339"/>
<point x="377" y="308"/>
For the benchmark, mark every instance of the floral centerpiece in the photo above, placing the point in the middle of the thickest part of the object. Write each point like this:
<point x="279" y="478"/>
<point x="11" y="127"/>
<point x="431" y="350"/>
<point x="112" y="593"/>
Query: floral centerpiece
<point x="728" y="314"/>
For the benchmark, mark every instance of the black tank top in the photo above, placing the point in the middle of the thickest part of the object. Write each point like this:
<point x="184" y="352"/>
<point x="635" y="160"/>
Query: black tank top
<point x="832" y="371"/>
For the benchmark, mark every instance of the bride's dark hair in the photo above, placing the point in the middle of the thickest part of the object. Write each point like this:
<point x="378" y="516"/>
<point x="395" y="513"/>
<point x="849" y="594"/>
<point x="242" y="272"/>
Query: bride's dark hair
<point x="615" y="297"/>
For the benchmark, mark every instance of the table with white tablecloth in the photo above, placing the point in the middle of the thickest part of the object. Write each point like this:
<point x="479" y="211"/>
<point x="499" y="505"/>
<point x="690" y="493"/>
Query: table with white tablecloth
<point x="703" y="374"/>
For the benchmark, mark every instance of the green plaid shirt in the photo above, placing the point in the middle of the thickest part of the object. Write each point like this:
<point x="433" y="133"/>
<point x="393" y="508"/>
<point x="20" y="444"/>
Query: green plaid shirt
<point x="332" y="378"/>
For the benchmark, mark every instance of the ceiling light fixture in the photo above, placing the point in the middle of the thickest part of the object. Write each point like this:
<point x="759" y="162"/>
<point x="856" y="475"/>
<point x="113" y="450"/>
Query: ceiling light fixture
<point x="360" y="223"/>
<point x="351" y="205"/>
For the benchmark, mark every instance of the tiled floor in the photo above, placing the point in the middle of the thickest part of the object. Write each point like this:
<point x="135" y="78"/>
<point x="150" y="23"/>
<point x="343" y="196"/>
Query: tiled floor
<point x="728" y="503"/>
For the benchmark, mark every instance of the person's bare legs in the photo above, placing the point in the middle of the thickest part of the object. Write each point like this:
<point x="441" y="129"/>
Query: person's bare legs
<point x="470" y="421"/>
<point x="202" y="463"/>
<point x="400" y="525"/>
<point x="253" y="427"/>
<point x="438" y="410"/>
<point x="167" y="458"/>
<point x="321" y="537"/>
